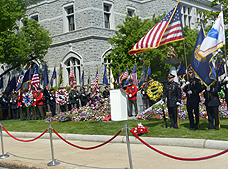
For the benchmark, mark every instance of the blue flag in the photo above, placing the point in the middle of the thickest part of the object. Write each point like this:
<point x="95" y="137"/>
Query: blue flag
<point x="141" y="80"/>
<point x="181" y="70"/>
<point x="105" y="77"/>
<point x="11" y="86"/>
<point x="203" y="66"/>
<point x="132" y="76"/>
<point x="1" y="82"/>
<point x="53" y="77"/>
<point x="220" y="69"/>
<point x="27" y="76"/>
<point x="45" y="76"/>
<point x="149" y="72"/>
<point x="82" y="80"/>
<point x="20" y="80"/>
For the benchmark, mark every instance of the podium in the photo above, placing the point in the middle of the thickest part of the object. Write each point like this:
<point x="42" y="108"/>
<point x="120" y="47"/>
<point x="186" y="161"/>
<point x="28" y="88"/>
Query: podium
<point x="118" y="101"/>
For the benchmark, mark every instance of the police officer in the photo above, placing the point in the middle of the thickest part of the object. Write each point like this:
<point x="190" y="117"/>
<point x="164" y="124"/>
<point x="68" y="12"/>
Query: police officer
<point x="192" y="88"/>
<point x="83" y="97"/>
<point x="106" y="92"/>
<point x="172" y="92"/>
<point x="212" y="104"/>
<point x="52" y="102"/>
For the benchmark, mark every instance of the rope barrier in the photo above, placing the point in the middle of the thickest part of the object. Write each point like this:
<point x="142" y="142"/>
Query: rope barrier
<point x="87" y="148"/>
<point x="21" y="139"/>
<point x="178" y="158"/>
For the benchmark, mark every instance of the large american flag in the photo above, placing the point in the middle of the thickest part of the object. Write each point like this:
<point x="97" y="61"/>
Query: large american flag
<point x="167" y="30"/>
<point x="35" y="81"/>
<point x="95" y="84"/>
<point x="124" y="75"/>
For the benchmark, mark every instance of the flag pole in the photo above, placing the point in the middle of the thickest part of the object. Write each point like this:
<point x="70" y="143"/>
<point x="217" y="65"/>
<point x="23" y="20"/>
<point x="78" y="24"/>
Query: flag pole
<point x="185" y="59"/>
<point x="225" y="52"/>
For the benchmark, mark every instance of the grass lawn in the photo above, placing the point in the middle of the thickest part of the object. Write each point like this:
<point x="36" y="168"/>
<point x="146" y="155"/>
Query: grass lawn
<point x="156" y="128"/>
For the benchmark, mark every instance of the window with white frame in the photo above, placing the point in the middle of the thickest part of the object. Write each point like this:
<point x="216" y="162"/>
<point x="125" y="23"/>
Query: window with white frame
<point x="75" y="63"/>
<point x="186" y="16"/>
<point x="107" y="15"/>
<point x="130" y="12"/>
<point x="70" y="17"/>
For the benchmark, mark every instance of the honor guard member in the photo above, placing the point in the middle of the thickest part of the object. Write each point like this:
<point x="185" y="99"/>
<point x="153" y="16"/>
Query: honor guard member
<point x="39" y="104"/>
<point x="106" y="92"/>
<point x="52" y="102"/>
<point x="83" y="97"/>
<point x="192" y="88"/>
<point x="172" y="92"/>
<point x="4" y="103"/>
<point x="212" y="104"/>
<point x="20" y="105"/>
<point x="14" y="106"/>
<point x="132" y="99"/>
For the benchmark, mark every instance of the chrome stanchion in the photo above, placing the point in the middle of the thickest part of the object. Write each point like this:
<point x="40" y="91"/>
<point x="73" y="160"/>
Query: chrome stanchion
<point x="128" y="146"/>
<point x="53" y="162"/>
<point x="3" y="155"/>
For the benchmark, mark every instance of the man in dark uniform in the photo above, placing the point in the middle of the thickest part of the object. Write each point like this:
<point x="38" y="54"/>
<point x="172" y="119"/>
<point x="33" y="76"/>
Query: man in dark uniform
<point x="192" y="89"/>
<point x="52" y="102"/>
<point x="83" y="97"/>
<point x="145" y="97"/>
<point x="172" y="92"/>
<point x="212" y="103"/>
<point x="106" y="92"/>
<point x="14" y="106"/>
<point x="4" y="103"/>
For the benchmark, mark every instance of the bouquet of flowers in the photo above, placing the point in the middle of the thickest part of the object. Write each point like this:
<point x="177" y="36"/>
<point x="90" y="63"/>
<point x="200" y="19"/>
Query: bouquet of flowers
<point x="155" y="90"/>
<point x="61" y="96"/>
<point x="140" y="129"/>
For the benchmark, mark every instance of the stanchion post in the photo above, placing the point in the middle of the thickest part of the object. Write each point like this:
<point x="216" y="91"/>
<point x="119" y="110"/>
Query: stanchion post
<point x="3" y="155"/>
<point x="53" y="162"/>
<point x="128" y="146"/>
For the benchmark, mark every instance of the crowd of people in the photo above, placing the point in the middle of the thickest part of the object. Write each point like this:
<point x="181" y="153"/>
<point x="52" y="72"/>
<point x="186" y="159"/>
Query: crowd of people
<point x="33" y="105"/>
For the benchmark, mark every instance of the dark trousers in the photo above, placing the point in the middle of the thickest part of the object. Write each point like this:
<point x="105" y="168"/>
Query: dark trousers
<point x="34" y="113"/>
<point x="14" y="113"/>
<point x="52" y="107"/>
<point x="83" y="103"/>
<point x="69" y="107"/>
<point x="63" y="108"/>
<point x="134" y="102"/>
<point x="44" y="109"/>
<point x="213" y="110"/>
<point x="27" y="113"/>
<point x="146" y="104"/>
<point x="173" y="116"/>
<point x="21" y="113"/>
<point x="40" y="112"/>
<point x="190" y="108"/>
<point x="5" y="114"/>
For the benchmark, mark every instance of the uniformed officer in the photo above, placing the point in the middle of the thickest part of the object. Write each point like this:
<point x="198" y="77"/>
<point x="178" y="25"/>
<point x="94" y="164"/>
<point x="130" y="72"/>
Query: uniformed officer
<point x="212" y="104"/>
<point x="52" y="102"/>
<point x="192" y="88"/>
<point x="14" y="106"/>
<point x="172" y="92"/>
<point x="4" y="103"/>
<point x="106" y="92"/>
<point x="83" y="97"/>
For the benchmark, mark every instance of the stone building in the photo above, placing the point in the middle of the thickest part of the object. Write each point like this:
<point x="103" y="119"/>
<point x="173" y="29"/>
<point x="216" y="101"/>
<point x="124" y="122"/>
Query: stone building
<point x="80" y="29"/>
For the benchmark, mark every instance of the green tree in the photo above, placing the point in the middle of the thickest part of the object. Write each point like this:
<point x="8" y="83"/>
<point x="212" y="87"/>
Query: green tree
<point x="20" y="45"/>
<point x="132" y="30"/>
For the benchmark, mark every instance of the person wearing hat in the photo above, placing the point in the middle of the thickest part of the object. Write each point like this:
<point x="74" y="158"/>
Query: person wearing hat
<point x="172" y="92"/>
<point x="192" y="88"/>
<point x="39" y="104"/>
<point x="132" y="92"/>
<point x="145" y="97"/>
<point x="14" y="106"/>
<point x="52" y="102"/>
<point x="106" y="92"/>
<point x="212" y="104"/>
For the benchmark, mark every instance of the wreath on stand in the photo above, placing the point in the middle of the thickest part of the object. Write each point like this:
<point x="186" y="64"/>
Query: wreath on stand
<point x="61" y="96"/>
<point x="155" y="90"/>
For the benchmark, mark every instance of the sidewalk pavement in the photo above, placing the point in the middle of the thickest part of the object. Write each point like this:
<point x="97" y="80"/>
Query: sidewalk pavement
<point x="113" y="155"/>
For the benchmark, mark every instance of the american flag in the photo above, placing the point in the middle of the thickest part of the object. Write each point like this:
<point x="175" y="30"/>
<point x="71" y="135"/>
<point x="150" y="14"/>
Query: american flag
<point x="95" y="84"/>
<point x="35" y="81"/>
<point x="20" y="78"/>
<point x="167" y="30"/>
<point x="133" y="75"/>
<point x="124" y="75"/>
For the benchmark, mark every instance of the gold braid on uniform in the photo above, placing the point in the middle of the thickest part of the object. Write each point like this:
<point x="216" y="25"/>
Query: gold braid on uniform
<point x="155" y="90"/>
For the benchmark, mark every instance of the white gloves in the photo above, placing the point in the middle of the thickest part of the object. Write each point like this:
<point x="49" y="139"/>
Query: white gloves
<point x="143" y="92"/>
<point x="34" y="100"/>
<point x="189" y="92"/>
<point x="161" y="102"/>
<point x="227" y="86"/>
<point x="130" y="95"/>
<point x="208" y="88"/>
<point x="187" y="83"/>
<point x="226" y="79"/>
<point x="51" y="98"/>
<point x="178" y="104"/>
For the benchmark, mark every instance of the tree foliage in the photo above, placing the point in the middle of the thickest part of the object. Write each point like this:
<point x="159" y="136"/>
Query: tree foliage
<point x="130" y="32"/>
<point x="20" y="45"/>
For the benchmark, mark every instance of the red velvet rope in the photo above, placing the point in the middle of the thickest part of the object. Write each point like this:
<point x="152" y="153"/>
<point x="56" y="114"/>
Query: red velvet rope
<point x="87" y="148"/>
<point x="178" y="158"/>
<point x="23" y="140"/>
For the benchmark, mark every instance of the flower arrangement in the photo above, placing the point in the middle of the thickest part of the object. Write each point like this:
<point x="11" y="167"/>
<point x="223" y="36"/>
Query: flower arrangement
<point x="61" y="96"/>
<point x="155" y="90"/>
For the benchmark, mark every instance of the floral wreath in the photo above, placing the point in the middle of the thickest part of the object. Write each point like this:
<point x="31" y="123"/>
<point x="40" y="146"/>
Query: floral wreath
<point x="155" y="90"/>
<point x="61" y="96"/>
